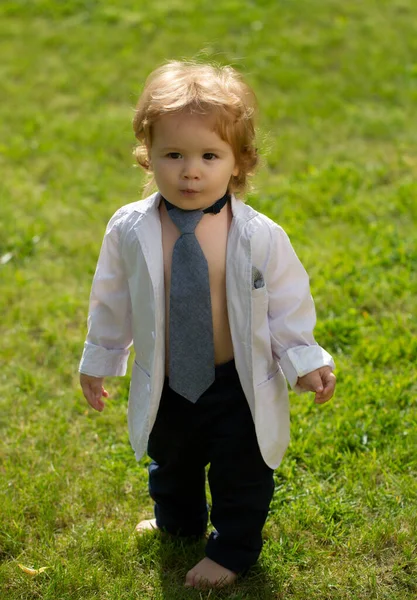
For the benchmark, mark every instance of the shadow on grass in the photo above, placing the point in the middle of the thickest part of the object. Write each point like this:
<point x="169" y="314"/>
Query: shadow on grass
<point x="172" y="558"/>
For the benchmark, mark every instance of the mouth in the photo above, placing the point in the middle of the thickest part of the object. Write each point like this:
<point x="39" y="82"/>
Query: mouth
<point x="188" y="192"/>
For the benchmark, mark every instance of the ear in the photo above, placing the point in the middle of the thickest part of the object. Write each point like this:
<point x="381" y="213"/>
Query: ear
<point x="236" y="170"/>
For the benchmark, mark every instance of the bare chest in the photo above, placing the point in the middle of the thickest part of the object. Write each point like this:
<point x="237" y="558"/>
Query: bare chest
<point x="211" y="233"/>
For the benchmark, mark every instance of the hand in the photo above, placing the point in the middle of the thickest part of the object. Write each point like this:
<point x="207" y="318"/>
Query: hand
<point x="322" y="381"/>
<point x="93" y="390"/>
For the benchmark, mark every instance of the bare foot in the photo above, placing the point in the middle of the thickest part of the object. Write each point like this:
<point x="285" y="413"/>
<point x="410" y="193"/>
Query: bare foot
<point x="146" y="525"/>
<point x="207" y="574"/>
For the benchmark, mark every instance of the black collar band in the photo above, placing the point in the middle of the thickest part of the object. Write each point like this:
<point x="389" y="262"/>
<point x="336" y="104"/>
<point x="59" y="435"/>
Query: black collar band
<point x="214" y="208"/>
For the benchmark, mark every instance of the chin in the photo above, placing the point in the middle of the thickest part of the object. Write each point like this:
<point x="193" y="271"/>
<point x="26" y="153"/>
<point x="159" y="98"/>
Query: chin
<point x="191" y="203"/>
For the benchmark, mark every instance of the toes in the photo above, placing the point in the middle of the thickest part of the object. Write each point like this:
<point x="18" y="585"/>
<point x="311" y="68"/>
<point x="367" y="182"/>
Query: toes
<point x="146" y="525"/>
<point x="189" y="579"/>
<point x="208" y="574"/>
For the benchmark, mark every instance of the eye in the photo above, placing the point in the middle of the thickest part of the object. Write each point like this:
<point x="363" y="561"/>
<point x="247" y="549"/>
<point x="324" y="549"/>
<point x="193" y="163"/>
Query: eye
<point x="174" y="155"/>
<point x="209" y="156"/>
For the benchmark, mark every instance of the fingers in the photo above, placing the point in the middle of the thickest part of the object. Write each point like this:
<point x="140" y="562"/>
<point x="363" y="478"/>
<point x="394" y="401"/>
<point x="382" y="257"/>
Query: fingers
<point x="93" y="391"/>
<point x="94" y="398"/>
<point x="329" y="380"/>
<point x="312" y="382"/>
<point x="322" y="381"/>
<point x="97" y="402"/>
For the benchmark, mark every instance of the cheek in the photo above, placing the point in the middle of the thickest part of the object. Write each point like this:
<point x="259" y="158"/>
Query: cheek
<point x="162" y="170"/>
<point x="230" y="168"/>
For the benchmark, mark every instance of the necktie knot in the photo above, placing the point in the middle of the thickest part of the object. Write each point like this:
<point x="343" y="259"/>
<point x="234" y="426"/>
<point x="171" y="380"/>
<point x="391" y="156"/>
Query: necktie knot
<point x="186" y="220"/>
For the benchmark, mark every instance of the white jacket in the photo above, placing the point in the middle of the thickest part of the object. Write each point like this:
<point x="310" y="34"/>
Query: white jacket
<point x="271" y="326"/>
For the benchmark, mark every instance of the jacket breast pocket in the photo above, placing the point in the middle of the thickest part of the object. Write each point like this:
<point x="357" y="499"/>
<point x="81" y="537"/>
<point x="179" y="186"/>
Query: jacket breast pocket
<point x="259" y="306"/>
<point x="259" y="293"/>
<point x="261" y="338"/>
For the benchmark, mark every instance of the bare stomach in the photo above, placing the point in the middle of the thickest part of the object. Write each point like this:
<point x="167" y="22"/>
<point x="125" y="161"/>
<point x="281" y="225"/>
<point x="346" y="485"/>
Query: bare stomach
<point x="223" y="346"/>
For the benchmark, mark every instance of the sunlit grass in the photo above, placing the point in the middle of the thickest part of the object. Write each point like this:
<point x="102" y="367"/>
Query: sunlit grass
<point x="337" y="87"/>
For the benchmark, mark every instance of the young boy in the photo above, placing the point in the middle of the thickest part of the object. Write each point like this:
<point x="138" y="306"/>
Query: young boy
<point x="218" y="309"/>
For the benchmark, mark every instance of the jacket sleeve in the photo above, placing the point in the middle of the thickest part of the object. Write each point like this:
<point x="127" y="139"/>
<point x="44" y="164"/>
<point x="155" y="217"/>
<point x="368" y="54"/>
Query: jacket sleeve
<point x="291" y="312"/>
<point x="109" y="336"/>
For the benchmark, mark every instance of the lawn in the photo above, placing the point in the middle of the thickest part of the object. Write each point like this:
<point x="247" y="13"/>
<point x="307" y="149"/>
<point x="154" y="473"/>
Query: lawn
<point x="337" y="89"/>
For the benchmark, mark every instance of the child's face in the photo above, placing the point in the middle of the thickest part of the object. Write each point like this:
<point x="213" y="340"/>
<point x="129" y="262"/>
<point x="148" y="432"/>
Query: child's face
<point x="192" y="165"/>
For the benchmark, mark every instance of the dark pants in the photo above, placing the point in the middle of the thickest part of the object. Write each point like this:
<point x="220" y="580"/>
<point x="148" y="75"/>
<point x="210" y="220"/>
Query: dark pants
<point x="217" y="429"/>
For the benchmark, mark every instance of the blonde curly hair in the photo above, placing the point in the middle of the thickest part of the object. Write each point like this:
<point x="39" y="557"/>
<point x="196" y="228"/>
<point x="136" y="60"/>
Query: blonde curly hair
<point x="203" y="89"/>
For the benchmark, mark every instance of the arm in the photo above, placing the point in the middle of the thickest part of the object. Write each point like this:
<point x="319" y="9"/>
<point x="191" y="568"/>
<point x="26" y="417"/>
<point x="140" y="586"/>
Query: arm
<point x="292" y="315"/>
<point x="109" y="336"/>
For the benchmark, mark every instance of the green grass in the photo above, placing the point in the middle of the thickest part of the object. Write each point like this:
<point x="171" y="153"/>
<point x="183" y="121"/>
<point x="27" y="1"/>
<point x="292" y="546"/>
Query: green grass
<point x="337" y="87"/>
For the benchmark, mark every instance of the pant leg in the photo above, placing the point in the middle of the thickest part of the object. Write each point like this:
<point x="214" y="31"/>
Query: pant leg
<point x="241" y="484"/>
<point x="177" y="471"/>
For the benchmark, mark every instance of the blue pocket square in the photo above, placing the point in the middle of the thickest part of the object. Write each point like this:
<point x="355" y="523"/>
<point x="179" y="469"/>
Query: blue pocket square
<point x="257" y="279"/>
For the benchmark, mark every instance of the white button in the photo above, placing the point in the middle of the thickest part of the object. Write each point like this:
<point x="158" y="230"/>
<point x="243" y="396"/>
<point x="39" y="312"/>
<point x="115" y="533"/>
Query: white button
<point x="153" y="334"/>
<point x="148" y="387"/>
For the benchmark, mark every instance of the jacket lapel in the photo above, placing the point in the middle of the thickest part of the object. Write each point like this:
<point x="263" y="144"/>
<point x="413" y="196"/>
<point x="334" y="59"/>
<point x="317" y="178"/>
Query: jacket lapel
<point x="148" y="231"/>
<point x="239" y="298"/>
<point x="149" y="234"/>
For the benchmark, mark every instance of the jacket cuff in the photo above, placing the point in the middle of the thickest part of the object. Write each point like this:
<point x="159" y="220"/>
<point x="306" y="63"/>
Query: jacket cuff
<point x="103" y="362"/>
<point x="300" y="360"/>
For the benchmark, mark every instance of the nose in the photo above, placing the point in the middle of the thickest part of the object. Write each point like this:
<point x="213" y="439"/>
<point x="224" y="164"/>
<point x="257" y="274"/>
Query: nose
<point x="190" y="170"/>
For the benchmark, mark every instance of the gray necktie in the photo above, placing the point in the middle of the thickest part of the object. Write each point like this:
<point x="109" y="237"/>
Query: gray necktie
<point x="191" y="347"/>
